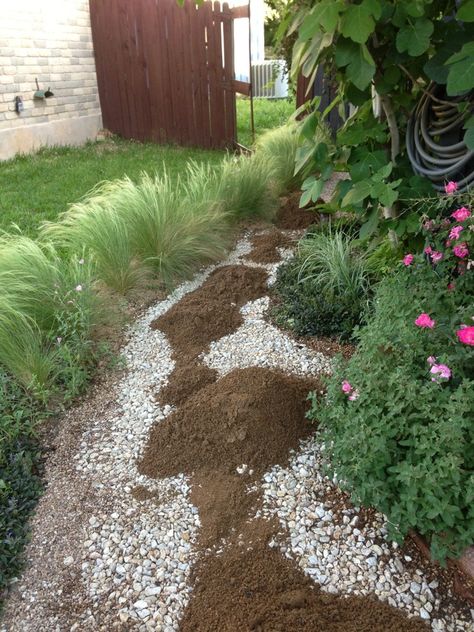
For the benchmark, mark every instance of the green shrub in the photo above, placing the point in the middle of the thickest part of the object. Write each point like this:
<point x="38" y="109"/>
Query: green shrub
<point x="279" y="146"/>
<point x="401" y="438"/>
<point x="20" y="483"/>
<point x="247" y="187"/>
<point x="324" y="289"/>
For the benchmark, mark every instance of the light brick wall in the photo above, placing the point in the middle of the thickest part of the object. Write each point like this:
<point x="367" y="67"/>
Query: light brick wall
<point x="50" y="40"/>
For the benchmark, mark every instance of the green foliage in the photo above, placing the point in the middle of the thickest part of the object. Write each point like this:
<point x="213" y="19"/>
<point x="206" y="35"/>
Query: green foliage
<point x="419" y="470"/>
<point x="280" y="146"/>
<point x="248" y="188"/>
<point x="38" y="187"/>
<point x="268" y="114"/>
<point x="393" y="48"/>
<point x="325" y="288"/>
<point x="42" y="299"/>
<point x="133" y="229"/>
<point x="20" y="483"/>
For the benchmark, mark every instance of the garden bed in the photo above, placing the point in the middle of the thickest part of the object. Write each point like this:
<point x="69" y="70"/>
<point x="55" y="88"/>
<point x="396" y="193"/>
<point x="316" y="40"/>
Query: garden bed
<point x="140" y="495"/>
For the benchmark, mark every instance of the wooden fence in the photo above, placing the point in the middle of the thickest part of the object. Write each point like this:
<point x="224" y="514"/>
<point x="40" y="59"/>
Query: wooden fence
<point x="166" y="73"/>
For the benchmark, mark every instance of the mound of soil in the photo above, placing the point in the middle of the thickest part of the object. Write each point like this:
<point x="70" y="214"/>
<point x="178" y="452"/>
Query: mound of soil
<point x="264" y="246"/>
<point x="212" y="311"/>
<point x="253" y="416"/>
<point x="291" y="217"/>
<point x="254" y="588"/>
<point x="184" y="381"/>
<point x="224" y="504"/>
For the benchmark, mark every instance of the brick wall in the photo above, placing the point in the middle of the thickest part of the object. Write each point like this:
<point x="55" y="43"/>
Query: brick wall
<point x="50" y="40"/>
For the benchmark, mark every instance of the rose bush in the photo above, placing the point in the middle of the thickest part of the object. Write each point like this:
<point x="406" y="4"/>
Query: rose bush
<point x="405" y="442"/>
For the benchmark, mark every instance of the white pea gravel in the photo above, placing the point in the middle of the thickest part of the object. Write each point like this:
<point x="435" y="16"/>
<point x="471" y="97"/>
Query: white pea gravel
<point x="130" y="560"/>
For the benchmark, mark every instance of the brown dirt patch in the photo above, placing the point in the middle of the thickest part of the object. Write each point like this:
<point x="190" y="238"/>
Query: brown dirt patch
<point x="184" y="381"/>
<point x="291" y="217"/>
<point x="254" y="588"/>
<point x="253" y="416"/>
<point x="212" y="311"/>
<point x="224" y="503"/>
<point x="264" y="246"/>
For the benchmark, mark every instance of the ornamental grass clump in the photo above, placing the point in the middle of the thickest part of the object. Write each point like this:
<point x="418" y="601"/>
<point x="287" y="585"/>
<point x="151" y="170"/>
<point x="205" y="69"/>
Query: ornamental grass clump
<point x="133" y="231"/>
<point x="248" y="187"/>
<point x="325" y="289"/>
<point x="279" y="147"/>
<point x="397" y="422"/>
<point x="48" y="309"/>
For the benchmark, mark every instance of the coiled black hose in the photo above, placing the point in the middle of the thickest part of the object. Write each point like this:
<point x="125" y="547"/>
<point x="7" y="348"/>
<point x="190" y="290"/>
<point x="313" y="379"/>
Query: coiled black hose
<point x="435" y="139"/>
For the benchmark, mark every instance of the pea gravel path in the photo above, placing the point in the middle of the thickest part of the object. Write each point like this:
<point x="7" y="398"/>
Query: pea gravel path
<point x="100" y="559"/>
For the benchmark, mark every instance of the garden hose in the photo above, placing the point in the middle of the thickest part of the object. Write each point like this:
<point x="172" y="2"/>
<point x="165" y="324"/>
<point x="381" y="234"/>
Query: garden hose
<point x="435" y="139"/>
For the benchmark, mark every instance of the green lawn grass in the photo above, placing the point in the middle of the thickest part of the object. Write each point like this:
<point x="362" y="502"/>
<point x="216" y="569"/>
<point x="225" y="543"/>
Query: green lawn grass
<point x="37" y="187"/>
<point x="268" y="114"/>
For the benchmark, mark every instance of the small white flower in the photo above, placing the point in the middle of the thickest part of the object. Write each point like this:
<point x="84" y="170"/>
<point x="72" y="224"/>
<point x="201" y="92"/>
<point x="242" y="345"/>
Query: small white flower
<point x="79" y="288"/>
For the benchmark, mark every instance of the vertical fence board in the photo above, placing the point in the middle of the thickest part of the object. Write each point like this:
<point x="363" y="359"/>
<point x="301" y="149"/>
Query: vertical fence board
<point x="229" y="94"/>
<point x="165" y="72"/>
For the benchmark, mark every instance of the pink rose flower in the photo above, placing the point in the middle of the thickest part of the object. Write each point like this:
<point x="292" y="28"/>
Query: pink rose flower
<point x="461" y="250"/>
<point x="436" y="256"/>
<point x="346" y="387"/>
<point x="454" y="233"/>
<point x="408" y="259"/>
<point x="461" y="214"/>
<point x="451" y="187"/>
<point x="451" y="286"/>
<point x="354" y="395"/>
<point x="425" y="321"/>
<point x="428" y="250"/>
<point x="440" y="371"/>
<point x="466" y="335"/>
<point x="428" y="225"/>
<point x="431" y="360"/>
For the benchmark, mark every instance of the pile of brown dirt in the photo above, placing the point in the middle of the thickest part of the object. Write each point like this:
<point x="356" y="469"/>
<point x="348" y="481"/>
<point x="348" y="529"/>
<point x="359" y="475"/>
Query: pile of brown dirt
<point x="264" y="246"/>
<point x="291" y="217"/>
<point x="252" y="587"/>
<point x="184" y="381"/>
<point x="212" y="311"/>
<point x="253" y="416"/>
<point x="224" y="504"/>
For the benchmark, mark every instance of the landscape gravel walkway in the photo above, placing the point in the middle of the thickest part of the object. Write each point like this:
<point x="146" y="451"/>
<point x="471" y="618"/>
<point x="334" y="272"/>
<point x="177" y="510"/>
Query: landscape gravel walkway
<point x="113" y="549"/>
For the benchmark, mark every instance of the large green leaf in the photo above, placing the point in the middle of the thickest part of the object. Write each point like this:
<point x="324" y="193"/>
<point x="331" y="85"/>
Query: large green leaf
<point x="414" y="37"/>
<point x="367" y="162"/>
<point x="466" y="11"/>
<point x="357" y="23"/>
<point x="359" y="192"/>
<point x="325" y="14"/>
<point x="461" y="70"/>
<point x="359" y="62"/>
<point x="370" y="225"/>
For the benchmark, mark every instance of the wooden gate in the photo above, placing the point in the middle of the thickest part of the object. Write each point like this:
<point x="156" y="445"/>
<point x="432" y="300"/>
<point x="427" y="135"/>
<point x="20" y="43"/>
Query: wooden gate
<point x="166" y="72"/>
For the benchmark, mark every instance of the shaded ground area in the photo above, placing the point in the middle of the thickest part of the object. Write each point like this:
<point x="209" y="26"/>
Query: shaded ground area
<point x="252" y="587"/>
<point x="264" y="246"/>
<point x="291" y="217"/>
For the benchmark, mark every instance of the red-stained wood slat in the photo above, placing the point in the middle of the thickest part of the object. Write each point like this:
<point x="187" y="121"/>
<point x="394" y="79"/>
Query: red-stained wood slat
<point x="165" y="72"/>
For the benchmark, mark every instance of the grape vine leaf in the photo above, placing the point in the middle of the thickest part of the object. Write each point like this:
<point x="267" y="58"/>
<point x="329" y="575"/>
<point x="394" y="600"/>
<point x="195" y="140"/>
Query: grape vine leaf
<point x="359" y="62"/>
<point x="414" y="37"/>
